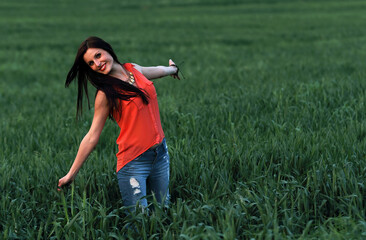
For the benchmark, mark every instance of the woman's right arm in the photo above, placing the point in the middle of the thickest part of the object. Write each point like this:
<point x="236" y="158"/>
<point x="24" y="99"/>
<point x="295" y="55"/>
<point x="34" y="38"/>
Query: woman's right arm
<point x="101" y="112"/>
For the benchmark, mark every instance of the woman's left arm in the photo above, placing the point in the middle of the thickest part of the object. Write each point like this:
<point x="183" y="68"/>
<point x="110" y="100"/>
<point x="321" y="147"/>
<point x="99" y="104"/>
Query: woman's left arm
<point x="158" y="71"/>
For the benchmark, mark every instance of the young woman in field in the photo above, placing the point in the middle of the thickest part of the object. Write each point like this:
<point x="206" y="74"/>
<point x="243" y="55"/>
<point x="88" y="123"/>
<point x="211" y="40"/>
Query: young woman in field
<point x="125" y="94"/>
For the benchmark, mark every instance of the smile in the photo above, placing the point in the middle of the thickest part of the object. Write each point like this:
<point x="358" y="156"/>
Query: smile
<point x="102" y="68"/>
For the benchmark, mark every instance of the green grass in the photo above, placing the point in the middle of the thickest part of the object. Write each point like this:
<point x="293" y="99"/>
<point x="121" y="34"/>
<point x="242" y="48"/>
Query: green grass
<point x="266" y="133"/>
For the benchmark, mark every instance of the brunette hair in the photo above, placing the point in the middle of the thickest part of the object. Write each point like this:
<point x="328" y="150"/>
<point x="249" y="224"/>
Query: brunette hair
<point x="113" y="88"/>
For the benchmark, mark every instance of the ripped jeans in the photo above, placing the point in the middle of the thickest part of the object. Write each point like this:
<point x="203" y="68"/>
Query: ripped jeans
<point x="146" y="175"/>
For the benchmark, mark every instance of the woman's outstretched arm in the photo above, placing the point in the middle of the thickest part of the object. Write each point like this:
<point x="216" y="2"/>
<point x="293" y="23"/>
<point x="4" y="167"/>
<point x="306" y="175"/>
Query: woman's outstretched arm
<point x="158" y="71"/>
<point x="101" y="112"/>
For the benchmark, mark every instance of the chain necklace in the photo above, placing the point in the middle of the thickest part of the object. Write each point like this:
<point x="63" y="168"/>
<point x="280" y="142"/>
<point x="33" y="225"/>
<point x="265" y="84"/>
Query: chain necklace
<point x="131" y="79"/>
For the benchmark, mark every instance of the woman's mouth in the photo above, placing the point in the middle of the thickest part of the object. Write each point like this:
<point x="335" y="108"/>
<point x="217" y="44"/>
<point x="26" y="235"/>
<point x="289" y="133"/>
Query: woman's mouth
<point x="102" y="68"/>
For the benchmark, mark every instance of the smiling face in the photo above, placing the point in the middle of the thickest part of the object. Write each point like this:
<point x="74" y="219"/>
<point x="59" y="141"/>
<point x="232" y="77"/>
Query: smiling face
<point x="99" y="60"/>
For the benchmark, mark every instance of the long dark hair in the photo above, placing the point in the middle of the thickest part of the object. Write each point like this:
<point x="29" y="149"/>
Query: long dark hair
<point x="113" y="88"/>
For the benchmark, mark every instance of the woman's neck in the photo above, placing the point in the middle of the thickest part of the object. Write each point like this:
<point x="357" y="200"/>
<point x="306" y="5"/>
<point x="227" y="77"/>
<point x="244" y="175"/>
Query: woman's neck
<point x="119" y="72"/>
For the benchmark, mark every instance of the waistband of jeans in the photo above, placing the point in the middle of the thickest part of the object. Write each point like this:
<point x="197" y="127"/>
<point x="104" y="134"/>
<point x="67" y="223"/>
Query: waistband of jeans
<point x="157" y="146"/>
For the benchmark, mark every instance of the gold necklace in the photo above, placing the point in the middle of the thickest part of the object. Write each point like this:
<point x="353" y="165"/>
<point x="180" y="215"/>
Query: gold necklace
<point x="131" y="79"/>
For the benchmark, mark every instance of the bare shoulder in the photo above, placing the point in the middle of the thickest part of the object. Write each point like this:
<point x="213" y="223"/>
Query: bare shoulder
<point x="100" y="95"/>
<point x="101" y="99"/>
<point x="137" y="67"/>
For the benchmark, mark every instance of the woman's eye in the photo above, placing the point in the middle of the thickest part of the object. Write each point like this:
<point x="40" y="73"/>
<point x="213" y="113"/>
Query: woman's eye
<point x="91" y="63"/>
<point x="98" y="55"/>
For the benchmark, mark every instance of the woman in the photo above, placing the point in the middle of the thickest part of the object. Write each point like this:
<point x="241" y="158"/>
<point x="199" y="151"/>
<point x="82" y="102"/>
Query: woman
<point x="126" y="94"/>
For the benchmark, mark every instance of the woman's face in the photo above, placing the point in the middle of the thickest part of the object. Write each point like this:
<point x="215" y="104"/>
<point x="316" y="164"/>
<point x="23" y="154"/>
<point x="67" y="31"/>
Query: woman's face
<point x="99" y="60"/>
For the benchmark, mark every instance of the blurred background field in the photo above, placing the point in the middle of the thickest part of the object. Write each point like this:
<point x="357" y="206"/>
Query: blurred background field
<point x="266" y="133"/>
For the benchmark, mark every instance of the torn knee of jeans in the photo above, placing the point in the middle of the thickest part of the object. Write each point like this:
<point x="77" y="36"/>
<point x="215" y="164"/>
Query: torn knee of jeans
<point x="135" y="185"/>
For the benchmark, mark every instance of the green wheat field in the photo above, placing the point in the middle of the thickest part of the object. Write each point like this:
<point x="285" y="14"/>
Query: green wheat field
<point x="266" y="132"/>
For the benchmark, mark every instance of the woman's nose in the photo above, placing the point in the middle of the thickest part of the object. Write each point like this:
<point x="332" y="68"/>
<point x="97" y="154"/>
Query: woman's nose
<point x="97" y="63"/>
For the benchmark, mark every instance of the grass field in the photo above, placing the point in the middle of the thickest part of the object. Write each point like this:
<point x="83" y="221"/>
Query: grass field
<point x="266" y="133"/>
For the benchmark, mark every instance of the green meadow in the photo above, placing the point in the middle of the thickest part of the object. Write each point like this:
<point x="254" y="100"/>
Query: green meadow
<point x="266" y="132"/>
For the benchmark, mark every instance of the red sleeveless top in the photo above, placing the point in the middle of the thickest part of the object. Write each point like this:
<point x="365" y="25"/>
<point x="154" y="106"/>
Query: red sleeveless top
<point x="140" y="123"/>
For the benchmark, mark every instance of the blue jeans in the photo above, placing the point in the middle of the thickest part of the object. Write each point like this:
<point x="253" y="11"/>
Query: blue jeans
<point x="148" y="174"/>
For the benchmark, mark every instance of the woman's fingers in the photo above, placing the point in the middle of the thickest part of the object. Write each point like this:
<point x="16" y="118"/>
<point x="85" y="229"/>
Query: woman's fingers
<point x="63" y="182"/>
<point x="175" y="75"/>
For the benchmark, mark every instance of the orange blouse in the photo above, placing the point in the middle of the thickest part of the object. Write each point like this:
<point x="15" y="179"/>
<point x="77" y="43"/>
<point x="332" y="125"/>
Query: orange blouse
<point x="140" y="123"/>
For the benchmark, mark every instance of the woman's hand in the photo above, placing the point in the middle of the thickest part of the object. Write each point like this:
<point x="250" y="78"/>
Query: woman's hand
<point x="63" y="182"/>
<point x="175" y="75"/>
